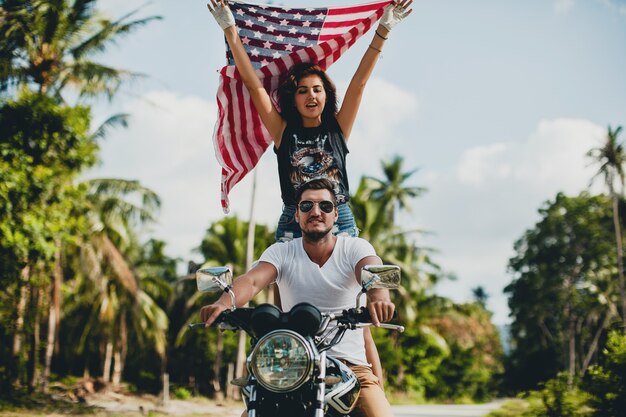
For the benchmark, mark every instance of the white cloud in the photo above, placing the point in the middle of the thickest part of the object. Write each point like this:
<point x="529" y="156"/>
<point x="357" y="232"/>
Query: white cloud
<point x="381" y="126"/>
<point x="481" y="206"/>
<point x="478" y="164"/>
<point x="553" y="157"/>
<point x="169" y="148"/>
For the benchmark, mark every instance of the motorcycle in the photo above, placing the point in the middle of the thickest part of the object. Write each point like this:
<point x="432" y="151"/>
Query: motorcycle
<point x="290" y="373"/>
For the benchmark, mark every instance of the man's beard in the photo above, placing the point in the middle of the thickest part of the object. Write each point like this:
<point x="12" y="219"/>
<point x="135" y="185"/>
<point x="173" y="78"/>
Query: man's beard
<point x="317" y="235"/>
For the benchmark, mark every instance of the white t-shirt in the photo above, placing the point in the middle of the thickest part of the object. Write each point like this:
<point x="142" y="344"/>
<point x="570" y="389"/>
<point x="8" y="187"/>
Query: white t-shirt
<point x="331" y="288"/>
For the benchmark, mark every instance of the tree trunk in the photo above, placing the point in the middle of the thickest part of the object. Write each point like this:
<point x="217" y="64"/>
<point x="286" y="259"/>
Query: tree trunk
<point x="108" y="359"/>
<point x="571" y="368"/>
<point x="33" y="361"/>
<point x="120" y="353"/>
<point x="594" y="344"/>
<point x="19" y="324"/>
<point x="620" y="254"/>
<point x="217" y="366"/>
<point x="53" y="317"/>
<point x="49" y="346"/>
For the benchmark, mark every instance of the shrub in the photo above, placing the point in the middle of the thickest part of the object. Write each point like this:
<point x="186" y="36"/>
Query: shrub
<point x="182" y="393"/>
<point x="606" y="383"/>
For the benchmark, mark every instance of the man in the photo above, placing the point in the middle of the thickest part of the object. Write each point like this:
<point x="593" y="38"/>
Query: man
<point x="324" y="270"/>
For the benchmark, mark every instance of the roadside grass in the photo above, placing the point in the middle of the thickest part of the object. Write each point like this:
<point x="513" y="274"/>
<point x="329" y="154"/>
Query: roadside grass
<point x="511" y="408"/>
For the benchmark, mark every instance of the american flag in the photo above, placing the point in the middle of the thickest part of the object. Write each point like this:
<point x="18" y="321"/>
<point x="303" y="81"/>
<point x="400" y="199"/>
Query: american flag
<point x="276" y="38"/>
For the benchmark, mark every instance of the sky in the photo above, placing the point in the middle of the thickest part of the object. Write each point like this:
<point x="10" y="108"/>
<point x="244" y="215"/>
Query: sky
<point x="494" y="102"/>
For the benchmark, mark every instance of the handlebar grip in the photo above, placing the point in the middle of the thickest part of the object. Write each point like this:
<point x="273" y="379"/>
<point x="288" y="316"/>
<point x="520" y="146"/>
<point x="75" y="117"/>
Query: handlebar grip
<point x="221" y="322"/>
<point x="364" y="315"/>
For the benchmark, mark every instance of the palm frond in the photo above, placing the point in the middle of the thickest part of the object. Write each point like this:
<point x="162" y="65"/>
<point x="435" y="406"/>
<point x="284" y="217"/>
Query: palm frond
<point x="119" y="265"/>
<point x="109" y="33"/>
<point x="117" y="120"/>
<point x="92" y="79"/>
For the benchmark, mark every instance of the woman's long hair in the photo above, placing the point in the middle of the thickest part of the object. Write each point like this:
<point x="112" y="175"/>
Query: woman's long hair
<point x="287" y="91"/>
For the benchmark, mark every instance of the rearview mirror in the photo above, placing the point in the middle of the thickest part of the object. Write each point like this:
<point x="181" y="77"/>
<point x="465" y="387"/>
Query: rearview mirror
<point x="214" y="278"/>
<point x="380" y="276"/>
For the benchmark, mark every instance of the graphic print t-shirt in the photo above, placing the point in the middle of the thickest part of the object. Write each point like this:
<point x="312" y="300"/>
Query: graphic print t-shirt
<point x="310" y="153"/>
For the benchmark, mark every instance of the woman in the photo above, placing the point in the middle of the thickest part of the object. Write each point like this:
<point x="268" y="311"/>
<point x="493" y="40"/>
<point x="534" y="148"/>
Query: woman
<point x="310" y="134"/>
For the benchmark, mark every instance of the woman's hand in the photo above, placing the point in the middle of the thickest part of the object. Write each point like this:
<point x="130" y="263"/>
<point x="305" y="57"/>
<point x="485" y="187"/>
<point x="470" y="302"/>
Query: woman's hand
<point x="395" y="12"/>
<point x="222" y="14"/>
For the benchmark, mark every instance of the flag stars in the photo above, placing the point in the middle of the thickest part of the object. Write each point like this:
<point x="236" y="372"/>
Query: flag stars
<point x="297" y="16"/>
<point x="254" y="52"/>
<point x="276" y="55"/>
<point x="262" y="19"/>
<point x="289" y="47"/>
<point x="252" y="9"/>
<point x="264" y="62"/>
<point x="302" y="39"/>
<point x="248" y="22"/>
<point x="306" y="24"/>
<point x="239" y="12"/>
<point x="257" y="34"/>
<point x="245" y="40"/>
<point x="267" y="45"/>
<point x="320" y="16"/>
<point x="293" y="30"/>
<point x="274" y="14"/>
<point x="280" y="38"/>
<point x="284" y="22"/>
<point x="315" y="31"/>
<point x="271" y="28"/>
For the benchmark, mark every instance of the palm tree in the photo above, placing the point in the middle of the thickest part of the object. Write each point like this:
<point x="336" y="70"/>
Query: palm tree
<point x="114" y="292"/>
<point x="51" y="44"/>
<point x="391" y="190"/>
<point x="611" y="158"/>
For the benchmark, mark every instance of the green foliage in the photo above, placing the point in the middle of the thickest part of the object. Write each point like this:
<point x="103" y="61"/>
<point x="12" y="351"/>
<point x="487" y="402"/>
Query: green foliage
<point x="50" y="46"/>
<point x="410" y="360"/>
<point x="554" y="399"/>
<point x="475" y="359"/>
<point x="43" y="145"/>
<point x="563" y="289"/>
<point x="511" y="408"/>
<point x="606" y="383"/>
<point x="182" y="393"/>
<point x="559" y="400"/>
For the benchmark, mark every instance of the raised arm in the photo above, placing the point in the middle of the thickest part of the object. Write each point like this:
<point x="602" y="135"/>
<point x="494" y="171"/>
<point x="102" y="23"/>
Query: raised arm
<point x="394" y="13"/>
<point x="245" y="287"/>
<point x="270" y="117"/>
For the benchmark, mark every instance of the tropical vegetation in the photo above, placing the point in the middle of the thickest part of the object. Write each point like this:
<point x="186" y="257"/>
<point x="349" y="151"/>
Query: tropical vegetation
<point x="91" y="301"/>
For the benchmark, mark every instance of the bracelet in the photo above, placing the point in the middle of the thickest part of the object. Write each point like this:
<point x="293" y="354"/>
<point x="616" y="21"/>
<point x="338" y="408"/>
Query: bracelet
<point x="379" y="35"/>
<point x="376" y="49"/>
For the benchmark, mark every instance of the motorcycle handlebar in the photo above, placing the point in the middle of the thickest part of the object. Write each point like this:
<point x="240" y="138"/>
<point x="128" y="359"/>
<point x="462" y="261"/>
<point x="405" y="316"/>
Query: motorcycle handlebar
<point x="222" y="322"/>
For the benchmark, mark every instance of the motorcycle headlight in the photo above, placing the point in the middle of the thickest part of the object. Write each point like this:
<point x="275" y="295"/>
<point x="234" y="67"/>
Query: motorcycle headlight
<point x="282" y="361"/>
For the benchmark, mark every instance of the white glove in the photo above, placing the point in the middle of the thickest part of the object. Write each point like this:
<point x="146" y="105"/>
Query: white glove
<point x="222" y="14"/>
<point x="394" y="13"/>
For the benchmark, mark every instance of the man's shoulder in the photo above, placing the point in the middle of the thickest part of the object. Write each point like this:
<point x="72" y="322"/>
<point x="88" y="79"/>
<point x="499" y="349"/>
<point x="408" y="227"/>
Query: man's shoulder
<point x="356" y="243"/>
<point x="284" y="247"/>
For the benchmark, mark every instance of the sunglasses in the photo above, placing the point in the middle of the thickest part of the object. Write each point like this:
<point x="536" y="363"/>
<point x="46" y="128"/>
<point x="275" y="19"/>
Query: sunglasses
<point x="325" y="205"/>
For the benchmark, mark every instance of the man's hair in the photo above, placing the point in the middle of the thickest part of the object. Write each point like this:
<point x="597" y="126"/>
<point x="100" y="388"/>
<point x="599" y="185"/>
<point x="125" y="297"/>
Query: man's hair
<point x="289" y="85"/>
<point x="316" y="184"/>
